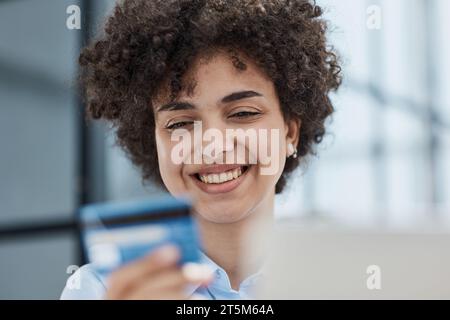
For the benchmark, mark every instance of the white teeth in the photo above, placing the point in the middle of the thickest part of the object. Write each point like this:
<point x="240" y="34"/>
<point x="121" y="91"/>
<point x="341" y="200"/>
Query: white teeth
<point x="222" y="177"/>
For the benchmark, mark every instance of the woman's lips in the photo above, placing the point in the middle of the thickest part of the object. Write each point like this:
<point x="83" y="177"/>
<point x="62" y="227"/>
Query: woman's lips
<point x="215" y="188"/>
<point x="218" y="168"/>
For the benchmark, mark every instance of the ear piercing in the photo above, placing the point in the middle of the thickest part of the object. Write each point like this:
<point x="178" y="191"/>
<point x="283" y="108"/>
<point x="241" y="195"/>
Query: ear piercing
<point x="292" y="151"/>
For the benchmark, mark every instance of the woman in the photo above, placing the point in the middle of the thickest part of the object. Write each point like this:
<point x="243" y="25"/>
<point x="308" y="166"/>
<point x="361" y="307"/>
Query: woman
<point x="163" y="66"/>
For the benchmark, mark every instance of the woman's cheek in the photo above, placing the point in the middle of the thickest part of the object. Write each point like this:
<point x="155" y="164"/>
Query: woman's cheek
<point x="272" y="152"/>
<point x="169" y="171"/>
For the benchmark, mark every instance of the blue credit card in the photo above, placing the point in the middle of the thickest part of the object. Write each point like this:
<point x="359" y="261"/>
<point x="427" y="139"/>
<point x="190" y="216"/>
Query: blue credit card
<point x="114" y="234"/>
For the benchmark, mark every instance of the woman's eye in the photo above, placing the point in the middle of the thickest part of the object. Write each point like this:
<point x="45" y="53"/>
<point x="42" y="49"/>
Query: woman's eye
<point x="243" y="114"/>
<point x="178" y="125"/>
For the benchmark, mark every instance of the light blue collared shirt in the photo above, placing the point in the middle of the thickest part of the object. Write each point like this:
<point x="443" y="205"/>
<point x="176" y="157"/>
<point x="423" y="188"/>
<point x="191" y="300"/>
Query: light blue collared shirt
<point x="87" y="284"/>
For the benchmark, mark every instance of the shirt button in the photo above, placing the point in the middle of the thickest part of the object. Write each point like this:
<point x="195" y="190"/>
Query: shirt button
<point x="218" y="274"/>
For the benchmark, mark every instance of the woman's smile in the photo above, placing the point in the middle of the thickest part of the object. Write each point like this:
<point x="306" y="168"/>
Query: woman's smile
<point x="220" y="178"/>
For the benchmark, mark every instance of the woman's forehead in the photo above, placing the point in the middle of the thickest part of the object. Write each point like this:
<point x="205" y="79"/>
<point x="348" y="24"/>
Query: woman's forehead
<point x="215" y="76"/>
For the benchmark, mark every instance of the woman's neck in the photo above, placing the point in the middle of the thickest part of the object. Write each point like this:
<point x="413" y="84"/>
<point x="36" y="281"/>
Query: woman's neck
<point x="227" y="243"/>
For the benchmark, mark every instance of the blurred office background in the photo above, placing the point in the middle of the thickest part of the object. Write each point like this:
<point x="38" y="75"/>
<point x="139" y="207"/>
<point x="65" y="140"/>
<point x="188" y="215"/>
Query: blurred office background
<point x="386" y="159"/>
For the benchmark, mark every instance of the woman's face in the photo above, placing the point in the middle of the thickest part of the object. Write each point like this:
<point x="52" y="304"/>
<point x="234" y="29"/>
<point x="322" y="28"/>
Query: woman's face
<point x="227" y="177"/>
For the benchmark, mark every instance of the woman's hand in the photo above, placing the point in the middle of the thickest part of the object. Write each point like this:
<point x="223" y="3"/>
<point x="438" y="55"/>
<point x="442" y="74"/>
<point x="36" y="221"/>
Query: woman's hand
<point x="156" y="276"/>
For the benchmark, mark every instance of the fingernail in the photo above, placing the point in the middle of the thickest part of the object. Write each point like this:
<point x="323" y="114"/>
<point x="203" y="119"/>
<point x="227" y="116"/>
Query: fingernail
<point x="167" y="254"/>
<point x="195" y="272"/>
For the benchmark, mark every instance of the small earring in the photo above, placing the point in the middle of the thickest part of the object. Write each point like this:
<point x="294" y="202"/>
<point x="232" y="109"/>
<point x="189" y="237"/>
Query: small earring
<point x="292" y="151"/>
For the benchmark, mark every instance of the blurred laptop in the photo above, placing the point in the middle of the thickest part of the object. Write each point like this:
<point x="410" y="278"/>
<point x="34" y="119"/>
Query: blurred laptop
<point x="345" y="264"/>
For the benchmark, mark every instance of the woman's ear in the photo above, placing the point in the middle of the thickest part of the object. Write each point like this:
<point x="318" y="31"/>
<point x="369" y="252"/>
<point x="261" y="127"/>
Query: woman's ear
<point x="293" y="132"/>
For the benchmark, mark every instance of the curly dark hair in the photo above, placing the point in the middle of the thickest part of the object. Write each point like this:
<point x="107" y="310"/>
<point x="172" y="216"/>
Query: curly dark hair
<point x="148" y="42"/>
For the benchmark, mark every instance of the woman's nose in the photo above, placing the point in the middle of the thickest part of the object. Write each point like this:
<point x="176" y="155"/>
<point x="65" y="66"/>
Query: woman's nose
<point x="215" y="143"/>
<point x="217" y="152"/>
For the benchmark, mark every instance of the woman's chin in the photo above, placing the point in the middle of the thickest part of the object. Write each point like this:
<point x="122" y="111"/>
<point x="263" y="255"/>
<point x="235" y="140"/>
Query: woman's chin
<point x="221" y="213"/>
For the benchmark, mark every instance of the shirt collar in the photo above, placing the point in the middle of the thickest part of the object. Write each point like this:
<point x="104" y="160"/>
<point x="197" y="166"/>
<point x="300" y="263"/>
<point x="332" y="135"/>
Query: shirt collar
<point x="221" y="279"/>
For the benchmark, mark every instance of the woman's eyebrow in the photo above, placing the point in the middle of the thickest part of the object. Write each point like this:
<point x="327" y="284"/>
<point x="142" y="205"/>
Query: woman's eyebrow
<point x="180" y="105"/>
<point x="240" y="95"/>
<point x="175" y="106"/>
